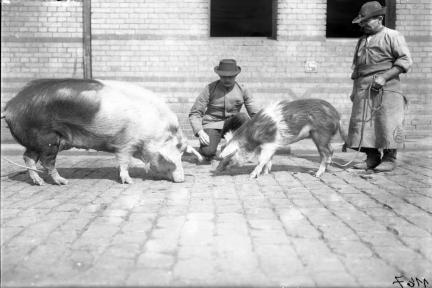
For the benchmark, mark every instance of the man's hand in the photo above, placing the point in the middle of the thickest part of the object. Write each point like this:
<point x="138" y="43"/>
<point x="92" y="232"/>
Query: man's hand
<point x="203" y="138"/>
<point x="379" y="82"/>
<point x="381" y="79"/>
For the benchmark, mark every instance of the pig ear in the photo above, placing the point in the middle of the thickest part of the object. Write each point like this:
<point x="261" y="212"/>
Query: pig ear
<point x="229" y="150"/>
<point x="229" y="135"/>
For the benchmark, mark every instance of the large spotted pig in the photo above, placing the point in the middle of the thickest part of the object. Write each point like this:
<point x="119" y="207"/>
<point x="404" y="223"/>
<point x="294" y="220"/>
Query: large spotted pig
<point x="51" y="115"/>
<point x="279" y="125"/>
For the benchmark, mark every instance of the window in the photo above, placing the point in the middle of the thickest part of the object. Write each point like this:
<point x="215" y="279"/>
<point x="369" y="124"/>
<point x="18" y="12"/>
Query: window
<point x="242" y="18"/>
<point x="340" y="14"/>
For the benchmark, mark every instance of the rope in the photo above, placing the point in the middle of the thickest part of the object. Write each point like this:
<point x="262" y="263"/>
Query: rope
<point x="19" y="165"/>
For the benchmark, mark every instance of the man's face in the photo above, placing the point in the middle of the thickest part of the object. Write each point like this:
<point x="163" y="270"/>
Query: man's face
<point x="228" y="81"/>
<point x="371" y="25"/>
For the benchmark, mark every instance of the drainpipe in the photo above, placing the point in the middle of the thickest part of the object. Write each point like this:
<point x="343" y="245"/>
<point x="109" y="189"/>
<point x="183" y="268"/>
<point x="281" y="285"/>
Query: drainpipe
<point x="87" y="39"/>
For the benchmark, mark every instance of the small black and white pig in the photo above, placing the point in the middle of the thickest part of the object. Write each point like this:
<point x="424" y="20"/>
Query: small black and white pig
<point x="279" y="125"/>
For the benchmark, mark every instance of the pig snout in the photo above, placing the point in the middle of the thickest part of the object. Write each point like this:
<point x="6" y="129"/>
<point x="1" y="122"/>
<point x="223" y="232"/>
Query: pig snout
<point x="168" y="165"/>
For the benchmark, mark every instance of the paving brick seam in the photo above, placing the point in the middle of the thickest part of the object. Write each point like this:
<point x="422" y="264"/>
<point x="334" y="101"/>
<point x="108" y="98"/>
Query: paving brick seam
<point x="369" y="244"/>
<point x="23" y="211"/>
<point x="33" y="248"/>
<point x="321" y="236"/>
<point x="80" y="233"/>
<point x="388" y="207"/>
<point x="154" y="224"/>
<point x="395" y="235"/>
<point x="176" y="253"/>
<point x="250" y="237"/>
<point x="326" y="240"/>
<point x="102" y="207"/>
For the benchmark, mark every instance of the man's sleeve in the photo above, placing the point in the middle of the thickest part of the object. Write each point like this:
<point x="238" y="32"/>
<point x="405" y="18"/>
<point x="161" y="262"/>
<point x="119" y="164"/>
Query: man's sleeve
<point x="353" y="64"/>
<point x="249" y="103"/>
<point x="401" y="53"/>
<point x="197" y="111"/>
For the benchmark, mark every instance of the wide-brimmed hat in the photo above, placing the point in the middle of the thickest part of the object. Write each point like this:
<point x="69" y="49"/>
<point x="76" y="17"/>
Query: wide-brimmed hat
<point x="368" y="10"/>
<point x="227" y="67"/>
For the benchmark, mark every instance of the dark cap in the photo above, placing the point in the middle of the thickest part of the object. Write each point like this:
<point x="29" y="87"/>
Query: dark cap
<point x="369" y="10"/>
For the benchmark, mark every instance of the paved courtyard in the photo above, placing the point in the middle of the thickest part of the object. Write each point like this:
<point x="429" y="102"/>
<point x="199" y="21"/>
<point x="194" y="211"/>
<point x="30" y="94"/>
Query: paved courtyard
<point x="285" y="229"/>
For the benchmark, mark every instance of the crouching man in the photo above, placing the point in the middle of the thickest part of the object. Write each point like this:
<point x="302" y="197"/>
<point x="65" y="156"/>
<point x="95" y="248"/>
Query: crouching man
<point x="380" y="56"/>
<point x="217" y="108"/>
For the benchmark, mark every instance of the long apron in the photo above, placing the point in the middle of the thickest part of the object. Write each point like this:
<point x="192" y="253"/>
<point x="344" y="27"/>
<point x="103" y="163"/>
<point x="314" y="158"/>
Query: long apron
<point x="384" y="126"/>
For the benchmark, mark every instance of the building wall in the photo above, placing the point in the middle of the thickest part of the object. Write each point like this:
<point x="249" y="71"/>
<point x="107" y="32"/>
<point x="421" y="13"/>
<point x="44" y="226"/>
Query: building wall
<point x="165" y="46"/>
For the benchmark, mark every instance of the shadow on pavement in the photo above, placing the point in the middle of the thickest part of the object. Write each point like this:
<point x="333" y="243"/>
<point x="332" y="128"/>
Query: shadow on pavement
<point x="335" y="160"/>
<point x="234" y="171"/>
<point x="190" y="159"/>
<point x="107" y="173"/>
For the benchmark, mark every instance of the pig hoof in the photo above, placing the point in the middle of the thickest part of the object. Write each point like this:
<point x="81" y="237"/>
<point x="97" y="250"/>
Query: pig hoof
<point x="38" y="181"/>
<point x="60" y="181"/>
<point x="267" y="167"/>
<point x="253" y="175"/>
<point x="126" y="180"/>
<point x="318" y="174"/>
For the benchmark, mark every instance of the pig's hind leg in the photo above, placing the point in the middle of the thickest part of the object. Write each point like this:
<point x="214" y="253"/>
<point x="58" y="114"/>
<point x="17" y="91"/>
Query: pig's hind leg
<point x="267" y="167"/>
<point x="322" y="142"/>
<point x="48" y="159"/>
<point x="30" y="159"/>
<point x="267" y="152"/>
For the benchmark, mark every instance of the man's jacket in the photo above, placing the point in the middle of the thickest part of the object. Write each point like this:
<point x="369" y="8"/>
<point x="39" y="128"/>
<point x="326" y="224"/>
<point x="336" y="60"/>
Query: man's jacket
<point x="215" y="104"/>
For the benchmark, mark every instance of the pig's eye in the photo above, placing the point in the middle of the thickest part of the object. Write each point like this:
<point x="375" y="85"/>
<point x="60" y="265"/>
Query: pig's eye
<point x="179" y="146"/>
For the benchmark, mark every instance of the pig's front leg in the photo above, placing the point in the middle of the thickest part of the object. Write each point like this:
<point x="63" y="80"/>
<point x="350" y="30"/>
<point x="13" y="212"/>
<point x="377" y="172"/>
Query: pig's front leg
<point x="124" y="174"/>
<point x="267" y="152"/>
<point x="123" y="160"/>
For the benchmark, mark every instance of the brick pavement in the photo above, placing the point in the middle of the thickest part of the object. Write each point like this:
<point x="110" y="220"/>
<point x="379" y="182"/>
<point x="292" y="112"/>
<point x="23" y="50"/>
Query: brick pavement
<point x="284" y="229"/>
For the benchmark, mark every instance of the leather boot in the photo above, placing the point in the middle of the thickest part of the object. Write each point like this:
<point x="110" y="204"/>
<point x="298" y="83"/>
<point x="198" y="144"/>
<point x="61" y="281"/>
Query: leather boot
<point x="373" y="159"/>
<point x="388" y="162"/>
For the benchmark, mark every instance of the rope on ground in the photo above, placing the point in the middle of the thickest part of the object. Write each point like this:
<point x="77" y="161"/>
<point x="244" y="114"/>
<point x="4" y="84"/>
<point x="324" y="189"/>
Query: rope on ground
<point x="19" y="165"/>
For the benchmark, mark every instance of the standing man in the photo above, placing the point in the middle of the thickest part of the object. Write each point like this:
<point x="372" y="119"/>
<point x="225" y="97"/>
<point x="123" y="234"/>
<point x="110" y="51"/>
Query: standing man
<point x="216" y="110"/>
<point x="380" y="56"/>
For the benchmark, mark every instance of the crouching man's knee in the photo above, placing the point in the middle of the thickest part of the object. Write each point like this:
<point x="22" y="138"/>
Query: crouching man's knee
<point x="208" y="151"/>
